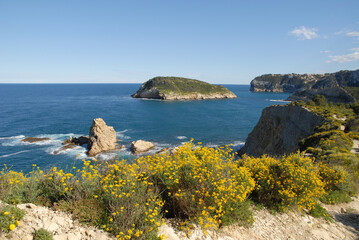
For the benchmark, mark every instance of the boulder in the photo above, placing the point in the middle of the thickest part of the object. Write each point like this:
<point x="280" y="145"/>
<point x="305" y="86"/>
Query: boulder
<point x="78" y="141"/>
<point x="81" y="140"/>
<point x="141" y="146"/>
<point x="34" y="139"/>
<point x="64" y="148"/>
<point x="101" y="138"/>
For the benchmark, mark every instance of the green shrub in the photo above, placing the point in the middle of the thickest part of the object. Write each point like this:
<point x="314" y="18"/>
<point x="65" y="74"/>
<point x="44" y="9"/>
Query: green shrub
<point x="42" y="234"/>
<point x="319" y="211"/>
<point x="10" y="217"/>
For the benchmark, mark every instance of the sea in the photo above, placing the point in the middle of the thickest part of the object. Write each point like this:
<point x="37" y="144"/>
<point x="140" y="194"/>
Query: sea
<point x="58" y="111"/>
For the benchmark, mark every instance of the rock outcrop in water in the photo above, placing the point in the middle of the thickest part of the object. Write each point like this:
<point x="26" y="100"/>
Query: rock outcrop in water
<point x="102" y="137"/>
<point x="34" y="139"/>
<point x="337" y="87"/>
<point x="176" y="88"/>
<point x="280" y="129"/>
<point x="141" y="146"/>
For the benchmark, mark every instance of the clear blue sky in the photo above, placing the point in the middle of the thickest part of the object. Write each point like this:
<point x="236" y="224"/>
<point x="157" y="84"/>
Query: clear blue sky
<point x="215" y="41"/>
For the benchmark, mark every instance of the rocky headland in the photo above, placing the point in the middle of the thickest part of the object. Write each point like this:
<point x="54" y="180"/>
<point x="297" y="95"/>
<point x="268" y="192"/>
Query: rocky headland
<point x="336" y="87"/>
<point x="176" y="88"/>
<point x="280" y="129"/>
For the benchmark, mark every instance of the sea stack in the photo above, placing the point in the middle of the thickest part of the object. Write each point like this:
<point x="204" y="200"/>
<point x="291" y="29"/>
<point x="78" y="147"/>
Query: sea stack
<point x="102" y="137"/>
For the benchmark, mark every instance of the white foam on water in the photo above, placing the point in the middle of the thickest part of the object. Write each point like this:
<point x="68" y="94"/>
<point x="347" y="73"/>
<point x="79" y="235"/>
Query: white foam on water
<point x="181" y="137"/>
<point x="278" y="100"/>
<point x="121" y="135"/>
<point x="55" y="139"/>
<point x="236" y="145"/>
<point x="107" y="156"/>
<point x="13" y="137"/>
<point x="12" y="154"/>
<point x="55" y="150"/>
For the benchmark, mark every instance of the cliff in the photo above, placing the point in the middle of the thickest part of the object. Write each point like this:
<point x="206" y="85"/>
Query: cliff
<point x="298" y="82"/>
<point x="175" y="88"/>
<point x="280" y="129"/>
<point x="335" y="95"/>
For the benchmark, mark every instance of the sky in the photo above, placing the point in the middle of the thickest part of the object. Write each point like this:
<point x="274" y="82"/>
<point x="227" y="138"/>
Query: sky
<point x="223" y="42"/>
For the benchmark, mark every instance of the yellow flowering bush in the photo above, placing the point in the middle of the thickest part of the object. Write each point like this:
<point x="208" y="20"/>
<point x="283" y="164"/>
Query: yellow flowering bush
<point x="11" y="183"/>
<point x="9" y="218"/>
<point x="336" y="184"/>
<point x="290" y="181"/>
<point x="199" y="184"/>
<point x="133" y="202"/>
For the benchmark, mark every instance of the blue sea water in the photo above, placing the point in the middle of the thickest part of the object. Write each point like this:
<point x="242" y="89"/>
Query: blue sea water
<point x="58" y="111"/>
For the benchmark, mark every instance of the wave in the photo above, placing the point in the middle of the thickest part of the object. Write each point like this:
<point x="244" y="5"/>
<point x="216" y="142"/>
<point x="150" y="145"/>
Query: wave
<point x="12" y="154"/>
<point x="278" y="100"/>
<point x="121" y="135"/>
<point x="13" y="137"/>
<point x="55" y="139"/>
<point x="181" y="137"/>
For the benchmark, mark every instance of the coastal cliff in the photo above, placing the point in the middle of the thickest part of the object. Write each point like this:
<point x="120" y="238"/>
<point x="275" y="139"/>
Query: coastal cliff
<point x="279" y="130"/>
<point x="298" y="82"/>
<point x="335" y="95"/>
<point x="175" y="88"/>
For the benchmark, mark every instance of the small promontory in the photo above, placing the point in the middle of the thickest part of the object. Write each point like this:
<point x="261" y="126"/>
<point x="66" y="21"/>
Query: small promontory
<point x="280" y="129"/>
<point x="177" y="88"/>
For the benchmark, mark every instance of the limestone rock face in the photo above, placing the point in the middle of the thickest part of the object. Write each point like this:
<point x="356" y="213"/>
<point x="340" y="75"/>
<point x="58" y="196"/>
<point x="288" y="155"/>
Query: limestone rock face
<point x="280" y="129"/>
<point x="141" y="146"/>
<point x="102" y="137"/>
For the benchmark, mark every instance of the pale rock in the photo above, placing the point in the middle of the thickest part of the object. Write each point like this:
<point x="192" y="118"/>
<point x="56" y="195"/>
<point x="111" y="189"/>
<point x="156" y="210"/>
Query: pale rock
<point x="27" y="237"/>
<point x="102" y="137"/>
<point x="280" y="129"/>
<point x="74" y="236"/>
<point x="141" y="146"/>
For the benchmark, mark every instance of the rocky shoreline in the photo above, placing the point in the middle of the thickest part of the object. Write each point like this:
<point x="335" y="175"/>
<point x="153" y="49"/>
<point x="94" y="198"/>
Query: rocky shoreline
<point x="101" y="139"/>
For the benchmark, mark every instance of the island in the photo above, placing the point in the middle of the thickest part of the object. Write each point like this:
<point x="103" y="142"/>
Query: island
<point x="178" y="88"/>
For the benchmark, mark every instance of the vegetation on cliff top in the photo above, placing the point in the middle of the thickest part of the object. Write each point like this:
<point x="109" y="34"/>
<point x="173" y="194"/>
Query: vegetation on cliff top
<point x="182" y="86"/>
<point x="195" y="185"/>
<point x="331" y="145"/>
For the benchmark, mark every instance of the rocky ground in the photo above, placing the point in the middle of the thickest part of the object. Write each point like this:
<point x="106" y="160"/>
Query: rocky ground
<point x="292" y="225"/>
<point x="59" y="224"/>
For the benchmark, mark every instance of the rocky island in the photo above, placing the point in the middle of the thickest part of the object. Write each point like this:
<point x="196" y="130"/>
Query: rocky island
<point x="177" y="88"/>
<point x="337" y="87"/>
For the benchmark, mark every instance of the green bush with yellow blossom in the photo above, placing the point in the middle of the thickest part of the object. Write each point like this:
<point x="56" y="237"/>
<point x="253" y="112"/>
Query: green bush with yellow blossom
<point x="194" y="184"/>
<point x="10" y="217"/>
<point x="290" y="181"/>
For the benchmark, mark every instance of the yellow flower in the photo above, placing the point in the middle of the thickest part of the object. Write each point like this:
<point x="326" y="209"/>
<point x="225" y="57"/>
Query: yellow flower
<point x="17" y="223"/>
<point x="6" y="213"/>
<point x="12" y="227"/>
